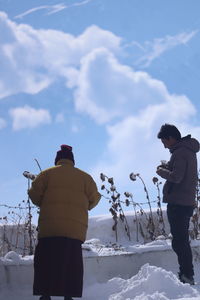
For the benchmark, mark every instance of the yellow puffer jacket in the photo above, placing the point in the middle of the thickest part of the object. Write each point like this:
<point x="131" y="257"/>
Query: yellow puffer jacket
<point x="64" y="195"/>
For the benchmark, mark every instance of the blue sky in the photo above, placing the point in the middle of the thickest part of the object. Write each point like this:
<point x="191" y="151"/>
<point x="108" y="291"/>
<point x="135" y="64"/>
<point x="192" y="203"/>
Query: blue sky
<point x="101" y="76"/>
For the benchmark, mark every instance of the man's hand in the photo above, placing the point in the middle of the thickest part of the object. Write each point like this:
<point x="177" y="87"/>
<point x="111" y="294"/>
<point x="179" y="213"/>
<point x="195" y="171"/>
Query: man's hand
<point x="159" y="170"/>
<point x="163" y="166"/>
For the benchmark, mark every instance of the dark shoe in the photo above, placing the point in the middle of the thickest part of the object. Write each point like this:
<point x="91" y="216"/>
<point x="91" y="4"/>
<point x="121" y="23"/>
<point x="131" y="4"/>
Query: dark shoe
<point x="179" y="275"/>
<point x="45" y="298"/>
<point x="186" y="279"/>
<point x="68" y="298"/>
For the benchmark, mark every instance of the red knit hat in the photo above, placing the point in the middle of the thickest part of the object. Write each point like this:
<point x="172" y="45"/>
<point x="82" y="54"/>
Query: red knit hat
<point x="64" y="153"/>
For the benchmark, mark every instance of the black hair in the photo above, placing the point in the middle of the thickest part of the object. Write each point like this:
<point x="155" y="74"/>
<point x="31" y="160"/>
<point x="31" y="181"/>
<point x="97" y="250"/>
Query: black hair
<point x="168" y="130"/>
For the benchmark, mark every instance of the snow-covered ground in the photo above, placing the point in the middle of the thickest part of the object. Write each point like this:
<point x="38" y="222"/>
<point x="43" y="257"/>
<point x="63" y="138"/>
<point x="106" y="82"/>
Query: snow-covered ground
<point x="113" y="270"/>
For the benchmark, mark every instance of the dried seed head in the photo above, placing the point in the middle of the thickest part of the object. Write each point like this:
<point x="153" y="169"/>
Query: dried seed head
<point x="102" y="176"/>
<point x="112" y="188"/>
<point x="133" y="176"/>
<point x="110" y="180"/>
<point x="155" y="179"/>
<point x="127" y="194"/>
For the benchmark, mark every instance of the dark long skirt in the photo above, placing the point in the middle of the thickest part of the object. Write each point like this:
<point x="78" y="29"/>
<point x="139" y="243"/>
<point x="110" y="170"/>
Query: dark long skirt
<point x="58" y="267"/>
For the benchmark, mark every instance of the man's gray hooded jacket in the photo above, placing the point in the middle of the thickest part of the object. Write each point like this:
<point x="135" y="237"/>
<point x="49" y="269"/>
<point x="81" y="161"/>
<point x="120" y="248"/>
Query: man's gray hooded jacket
<point x="181" y="173"/>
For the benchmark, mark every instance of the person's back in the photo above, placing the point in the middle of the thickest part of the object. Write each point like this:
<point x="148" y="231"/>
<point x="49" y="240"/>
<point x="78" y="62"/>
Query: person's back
<point x="64" y="194"/>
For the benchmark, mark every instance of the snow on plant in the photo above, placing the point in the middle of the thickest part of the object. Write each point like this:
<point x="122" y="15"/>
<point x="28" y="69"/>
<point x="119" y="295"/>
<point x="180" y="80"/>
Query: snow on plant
<point x="147" y="224"/>
<point x="22" y="236"/>
<point x="150" y="225"/>
<point x="117" y="212"/>
<point x="161" y="221"/>
<point x="116" y="205"/>
<point x="195" y="233"/>
<point x="17" y="233"/>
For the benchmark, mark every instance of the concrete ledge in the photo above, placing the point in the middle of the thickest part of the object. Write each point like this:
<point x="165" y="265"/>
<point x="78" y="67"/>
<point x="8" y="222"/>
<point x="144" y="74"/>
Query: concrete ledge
<point x="97" y="268"/>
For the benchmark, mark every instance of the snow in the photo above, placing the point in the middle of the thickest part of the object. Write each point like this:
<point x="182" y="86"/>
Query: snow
<point x="122" y="270"/>
<point x="13" y="258"/>
<point x="150" y="283"/>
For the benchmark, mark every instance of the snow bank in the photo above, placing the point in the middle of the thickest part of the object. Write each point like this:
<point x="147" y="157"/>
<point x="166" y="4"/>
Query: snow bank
<point x="150" y="283"/>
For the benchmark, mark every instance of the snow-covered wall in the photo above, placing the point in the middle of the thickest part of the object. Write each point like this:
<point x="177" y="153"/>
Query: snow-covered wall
<point x="104" y="258"/>
<point x="18" y="271"/>
<point x="15" y="270"/>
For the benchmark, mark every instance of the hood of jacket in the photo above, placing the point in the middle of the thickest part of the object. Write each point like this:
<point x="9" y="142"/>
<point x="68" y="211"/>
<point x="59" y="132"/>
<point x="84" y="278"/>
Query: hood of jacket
<point x="187" y="142"/>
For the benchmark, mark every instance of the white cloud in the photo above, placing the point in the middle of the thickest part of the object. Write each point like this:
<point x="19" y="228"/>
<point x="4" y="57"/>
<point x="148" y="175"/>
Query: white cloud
<point x="21" y="64"/>
<point x="158" y="46"/>
<point x="107" y="90"/>
<point x="103" y="88"/>
<point x="51" y="9"/>
<point x="29" y="117"/>
<point x="133" y="105"/>
<point x="32" y="59"/>
<point x="133" y="145"/>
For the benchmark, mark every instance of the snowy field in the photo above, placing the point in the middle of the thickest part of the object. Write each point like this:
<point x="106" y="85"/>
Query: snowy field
<point x="114" y="271"/>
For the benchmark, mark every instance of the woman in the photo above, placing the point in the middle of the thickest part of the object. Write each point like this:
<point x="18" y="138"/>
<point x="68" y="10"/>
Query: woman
<point x="64" y="195"/>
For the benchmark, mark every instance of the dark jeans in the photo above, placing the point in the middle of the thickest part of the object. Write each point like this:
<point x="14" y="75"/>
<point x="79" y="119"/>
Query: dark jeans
<point x="179" y="219"/>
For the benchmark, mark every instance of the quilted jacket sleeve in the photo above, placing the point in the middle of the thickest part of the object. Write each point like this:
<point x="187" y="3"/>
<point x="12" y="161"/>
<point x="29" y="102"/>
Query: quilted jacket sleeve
<point x="92" y="193"/>
<point x="38" y="188"/>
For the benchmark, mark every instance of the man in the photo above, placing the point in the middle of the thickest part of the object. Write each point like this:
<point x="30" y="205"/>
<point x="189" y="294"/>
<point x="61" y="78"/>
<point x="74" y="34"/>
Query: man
<point x="64" y="195"/>
<point x="179" y="193"/>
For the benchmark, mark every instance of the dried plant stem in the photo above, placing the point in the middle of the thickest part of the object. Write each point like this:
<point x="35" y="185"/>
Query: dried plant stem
<point x="160" y="212"/>
<point x="151" y="221"/>
<point x="38" y="164"/>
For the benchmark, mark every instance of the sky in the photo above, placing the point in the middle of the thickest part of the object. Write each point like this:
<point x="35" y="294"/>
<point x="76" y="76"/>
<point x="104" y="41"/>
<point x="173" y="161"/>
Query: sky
<point x="101" y="76"/>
